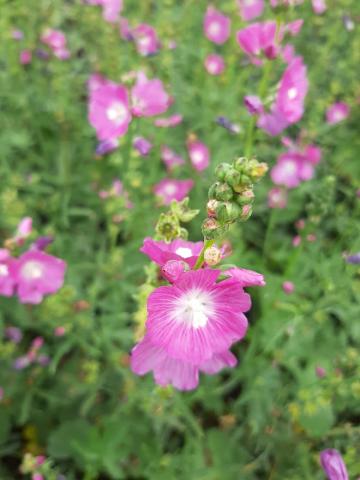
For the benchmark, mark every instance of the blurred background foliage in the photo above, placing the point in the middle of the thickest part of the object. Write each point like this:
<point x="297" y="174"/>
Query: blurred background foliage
<point x="270" y="416"/>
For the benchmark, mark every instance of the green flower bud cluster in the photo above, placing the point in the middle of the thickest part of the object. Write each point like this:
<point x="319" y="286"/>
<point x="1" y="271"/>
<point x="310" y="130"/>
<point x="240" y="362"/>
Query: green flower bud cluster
<point x="231" y="197"/>
<point x="169" y="227"/>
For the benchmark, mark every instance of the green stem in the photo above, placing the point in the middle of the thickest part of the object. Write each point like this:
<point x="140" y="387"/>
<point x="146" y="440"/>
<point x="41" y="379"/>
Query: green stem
<point x="200" y="260"/>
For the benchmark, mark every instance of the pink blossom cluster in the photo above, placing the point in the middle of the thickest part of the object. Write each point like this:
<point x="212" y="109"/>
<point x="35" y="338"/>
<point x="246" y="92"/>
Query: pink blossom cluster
<point x="56" y="41"/>
<point x="194" y="320"/>
<point x="34" y="273"/>
<point x="111" y="8"/>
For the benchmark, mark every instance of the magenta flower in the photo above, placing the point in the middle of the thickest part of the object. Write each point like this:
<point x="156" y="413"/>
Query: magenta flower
<point x="216" y="26"/>
<point x="180" y="250"/>
<point x="171" y="121"/>
<point x="288" y="287"/>
<point x="54" y="39"/>
<point x="258" y="38"/>
<point x="142" y="145"/>
<point x="170" y="189"/>
<point x="196" y="317"/>
<point x="109" y="111"/>
<point x="146" y="40"/>
<point x="277" y="198"/>
<point x="23" y="230"/>
<point x="291" y="170"/>
<point x="147" y="357"/>
<point x="199" y="155"/>
<point x="253" y="104"/>
<point x="25" y="57"/>
<point x="333" y="465"/>
<point x="96" y="81"/>
<point x="149" y="97"/>
<point x="250" y="9"/>
<point x="37" y="274"/>
<point x="319" y="6"/>
<point x="337" y="112"/>
<point x="111" y="8"/>
<point x="273" y="122"/>
<point x="7" y="273"/>
<point x="214" y="64"/>
<point x="170" y="158"/>
<point x="245" y="278"/>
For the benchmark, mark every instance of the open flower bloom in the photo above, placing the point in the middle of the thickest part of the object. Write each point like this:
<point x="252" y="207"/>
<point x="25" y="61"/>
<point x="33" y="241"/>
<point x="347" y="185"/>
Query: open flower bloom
<point x="56" y="41"/>
<point x="258" y="38"/>
<point x="149" y="97"/>
<point x="170" y="189"/>
<point x="7" y="273"/>
<point x="337" y="112"/>
<point x="288" y="107"/>
<point x="214" y="64"/>
<point x="250" y="9"/>
<point x="146" y="40"/>
<point x="291" y="169"/>
<point x="170" y="158"/>
<point x="199" y="155"/>
<point x="109" y="111"/>
<point x="37" y="274"/>
<point x="333" y="465"/>
<point x="319" y="6"/>
<point x="161" y="252"/>
<point x="216" y="26"/>
<point x="111" y="8"/>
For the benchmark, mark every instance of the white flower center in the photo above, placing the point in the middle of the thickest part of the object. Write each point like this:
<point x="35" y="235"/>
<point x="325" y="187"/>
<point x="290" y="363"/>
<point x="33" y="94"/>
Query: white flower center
<point x="289" y="167"/>
<point x="184" y="252"/>
<point x="212" y="67"/>
<point x="338" y="115"/>
<point x="144" y="42"/>
<point x="117" y="112"/>
<point x="170" y="189"/>
<point x="249" y="3"/>
<point x="292" y="93"/>
<point x="194" y="308"/>
<point x="214" y="28"/>
<point x="4" y="271"/>
<point x="197" y="156"/>
<point x="32" y="270"/>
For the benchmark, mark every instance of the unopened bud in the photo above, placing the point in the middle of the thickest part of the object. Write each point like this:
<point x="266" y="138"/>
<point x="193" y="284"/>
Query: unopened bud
<point x="232" y="177"/>
<point x="212" y="255"/>
<point x="246" y="212"/>
<point x="245" y="197"/>
<point x="228" y="212"/>
<point x="211" y="207"/>
<point x="221" y="191"/>
<point x="259" y="170"/>
<point x="221" y="171"/>
<point x="173" y="269"/>
<point x="212" y="229"/>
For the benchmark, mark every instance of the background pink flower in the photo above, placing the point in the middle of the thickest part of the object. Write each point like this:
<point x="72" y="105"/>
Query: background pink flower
<point x="214" y="64"/>
<point x="337" y="112"/>
<point x="250" y="9"/>
<point x="199" y="155"/>
<point x="146" y="40"/>
<point x="161" y="252"/>
<point x="216" y="26"/>
<point x="170" y="189"/>
<point x="149" y="97"/>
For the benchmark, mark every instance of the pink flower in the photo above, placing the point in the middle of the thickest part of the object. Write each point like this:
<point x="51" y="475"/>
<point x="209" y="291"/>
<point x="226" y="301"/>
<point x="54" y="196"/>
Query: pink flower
<point x="245" y="278"/>
<point x="106" y="146"/>
<point x="253" y="104"/>
<point x="277" y="198"/>
<point x="288" y="287"/>
<point x="258" y="38"/>
<point x="173" y="269"/>
<point x="170" y="189"/>
<point x="25" y="57"/>
<point x="147" y="357"/>
<point x="216" y="26"/>
<point x="179" y="250"/>
<point x="17" y="34"/>
<point x="171" y="121"/>
<point x="111" y="8"/>
<point x="37" y="274"/>
<point x="96" y="81"/>
<point x="7" y="273"/>
<point x="59" y="331"/>
<point x="170" y="158"/>
<point x="273" y="123"/>
<point x="109" y="111"/>
<point x="23" y="230"/>
<point x="146" y="40"/>
<point x="333" y="465"/>
<point x="320" y="372"/>
<point x="142" y="145"/>
<point x="214" y="64"/>
<point x="288" y="53"/>
<point x="319" y="6"/>
<point x="199" y="155"/>
<point x="337" y="112"/>
<point x="149" y="97"/>
<point x="54" y="39"/>
<point x="291" y="169"/>
<point x="250" y="9"/>
<point x="196" y="317"/>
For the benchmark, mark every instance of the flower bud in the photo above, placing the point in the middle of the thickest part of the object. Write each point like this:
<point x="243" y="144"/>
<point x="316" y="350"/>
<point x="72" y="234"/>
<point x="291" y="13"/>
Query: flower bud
<point x="246" y="212"/>
<point x="212" y="229"/>
<point x="221" y="191"/>
<point x="232" y="177"/>
<point x="212" y="255"/>
<point x="211" y="207"/>
<point x="228" y="212"/>
<point x="245" y="197"/>
<point x="258" y="170"/>
<point x="240" y="164"/>
<point x="168" y="227"/>
<point x="173" y="269"/>
<point x="221" y="171"/>
<point x="333" y="465"/>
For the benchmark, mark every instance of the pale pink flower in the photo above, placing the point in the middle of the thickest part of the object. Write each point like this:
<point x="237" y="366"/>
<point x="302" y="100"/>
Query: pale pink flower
<point x="17" y="34"/>
<point x="149" y="97"/>
<point x="96" y="81"/>
<point x="250" y="9"/>
<point x="59" y="331"/>
<point x="7" y="273"/>
<point x="146" y="40"/>
<point x="320" y="372"/>
<point x="54" y="39"/>
<point x="216" y="26"/>
<point x="199" y="155"/>
<point x="291" y="169"/>
<point x="109" y="111"/>
<point x="179" y="250"/>
<point x="25" y="57"/>
<point x="37" y="274"/>
<point x="62" y="53"/>
<point x="170" y="189"/>
<point x="111" y="8"/>
<point x="171" y="121"/>
<point x="23" y="230"/>
<point x="337" y="112"/>
<point x="288" y="287"/>
<point x="277" y="198"/>
<point x="288" y="53"/>
<point x="296" y="241"/>
<point x="170" y="158"/>
<point x="258" y="38"/>
<point x="214" y="64"/>
<point x="319" y="6"/>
